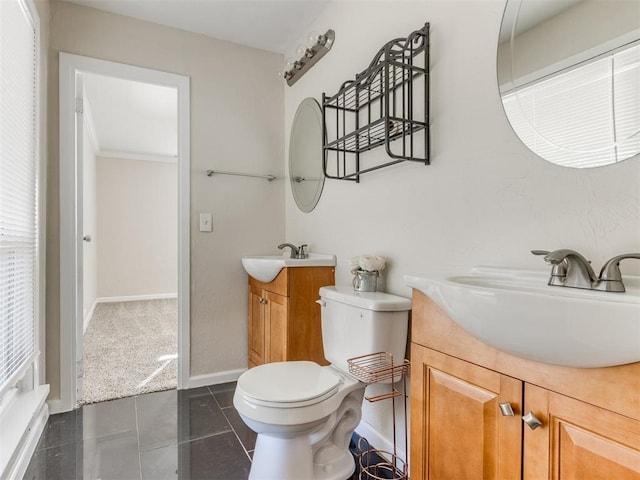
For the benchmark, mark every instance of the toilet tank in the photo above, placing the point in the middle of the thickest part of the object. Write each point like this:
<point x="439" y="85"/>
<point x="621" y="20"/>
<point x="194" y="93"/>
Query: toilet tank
<point x="359" y="323"/>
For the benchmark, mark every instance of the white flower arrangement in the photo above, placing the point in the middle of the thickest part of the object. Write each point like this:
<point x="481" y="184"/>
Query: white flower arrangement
<point x="368" y="263"/>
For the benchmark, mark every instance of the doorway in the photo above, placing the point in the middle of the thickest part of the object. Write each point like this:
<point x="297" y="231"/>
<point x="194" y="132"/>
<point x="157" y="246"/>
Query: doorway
<point x="75" y="71"/>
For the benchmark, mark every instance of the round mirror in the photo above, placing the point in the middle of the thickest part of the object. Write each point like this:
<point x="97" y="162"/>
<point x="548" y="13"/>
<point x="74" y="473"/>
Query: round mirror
<point x="305" y="155"/>
<point x="569" y="78"/>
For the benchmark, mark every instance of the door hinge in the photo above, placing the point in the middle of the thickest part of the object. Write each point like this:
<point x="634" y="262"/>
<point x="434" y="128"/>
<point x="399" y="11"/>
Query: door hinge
<point x="79" y="105"/>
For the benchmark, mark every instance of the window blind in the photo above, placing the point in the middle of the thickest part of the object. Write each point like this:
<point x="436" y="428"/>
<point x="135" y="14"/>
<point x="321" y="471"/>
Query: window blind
<point x="584" y="115"/>
<point x="18" y="191"/>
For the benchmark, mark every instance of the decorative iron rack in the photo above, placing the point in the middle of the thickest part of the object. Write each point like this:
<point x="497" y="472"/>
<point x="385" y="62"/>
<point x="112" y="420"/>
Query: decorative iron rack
<point x="387" y="104"/>
<point x="374" y="368"/>
<point x="379" y="367"/>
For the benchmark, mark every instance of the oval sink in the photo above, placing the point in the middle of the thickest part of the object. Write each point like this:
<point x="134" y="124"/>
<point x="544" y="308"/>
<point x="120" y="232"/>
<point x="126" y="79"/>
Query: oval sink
<point x="517" y="312"/>
<point x="265" y="268"/>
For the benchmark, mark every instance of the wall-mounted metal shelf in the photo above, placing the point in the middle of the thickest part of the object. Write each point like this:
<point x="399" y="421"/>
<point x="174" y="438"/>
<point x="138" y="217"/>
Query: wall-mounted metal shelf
<point x="387" y="104"/>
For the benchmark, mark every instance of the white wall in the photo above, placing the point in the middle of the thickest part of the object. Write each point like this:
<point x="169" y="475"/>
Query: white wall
<point x="137" y="207"/>
<point x="236" y="124"/>
<point x="485" y="199"/>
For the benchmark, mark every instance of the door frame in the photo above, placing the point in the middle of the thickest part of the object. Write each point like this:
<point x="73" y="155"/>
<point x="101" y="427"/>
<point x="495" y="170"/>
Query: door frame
<point x="70" y="184"/>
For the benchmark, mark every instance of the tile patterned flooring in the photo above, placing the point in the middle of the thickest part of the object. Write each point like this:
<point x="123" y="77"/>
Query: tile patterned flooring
<point x="187" y="434"/>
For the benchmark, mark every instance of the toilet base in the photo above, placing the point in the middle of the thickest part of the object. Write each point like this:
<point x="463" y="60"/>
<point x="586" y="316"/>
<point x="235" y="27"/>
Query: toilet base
<point x="292" y="458"/>
<point x="321" y="454"/>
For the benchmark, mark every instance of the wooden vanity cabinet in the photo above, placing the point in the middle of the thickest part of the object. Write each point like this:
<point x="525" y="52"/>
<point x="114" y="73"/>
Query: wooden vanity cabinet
<point x="578" y="440"/>
<point x="590" y="417"/>
<point x="267" y="326"/>
<point x="284" y="318"/>
<point x="458" y="432"/>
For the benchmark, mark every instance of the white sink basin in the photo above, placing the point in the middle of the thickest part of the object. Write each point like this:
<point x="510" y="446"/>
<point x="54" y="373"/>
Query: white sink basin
<point x="517" y="312"/>
<point x="266" y="267"/>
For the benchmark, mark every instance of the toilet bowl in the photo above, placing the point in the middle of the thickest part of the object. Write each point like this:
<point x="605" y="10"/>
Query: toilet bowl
<point x="305" y="414"/>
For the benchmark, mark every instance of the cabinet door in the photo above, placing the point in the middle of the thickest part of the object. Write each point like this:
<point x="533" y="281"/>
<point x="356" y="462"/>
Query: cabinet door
<point x="256" y="328"/>
<point x="578" y="441"/>
<point x="457" y="429"/>
<point x="276" y="327"/>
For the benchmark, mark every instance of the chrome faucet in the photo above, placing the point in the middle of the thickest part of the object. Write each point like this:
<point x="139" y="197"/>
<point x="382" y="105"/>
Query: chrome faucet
<point x="579" y="273"/>
<point x="296" y="252"/>
<point x="570" y="269"/>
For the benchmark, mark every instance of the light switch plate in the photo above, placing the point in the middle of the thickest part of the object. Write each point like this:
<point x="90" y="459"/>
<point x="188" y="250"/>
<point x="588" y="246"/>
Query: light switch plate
<point x="206" y="222"/>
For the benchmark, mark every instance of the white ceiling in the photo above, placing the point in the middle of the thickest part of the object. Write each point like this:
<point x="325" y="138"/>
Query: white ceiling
<point x="273" y="25"/>
<point x="130" y="119"/>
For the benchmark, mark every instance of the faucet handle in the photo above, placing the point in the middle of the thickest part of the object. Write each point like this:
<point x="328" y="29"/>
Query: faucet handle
<point x="611" y="269"/>
<point x="540" y="252"/>
<point x="301" y="252"/>
<point x="558" y="270"/>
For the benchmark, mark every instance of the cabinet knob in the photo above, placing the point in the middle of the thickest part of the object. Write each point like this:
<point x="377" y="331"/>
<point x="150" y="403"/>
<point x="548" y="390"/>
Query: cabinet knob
<point x="262" y="300"/>
<point x="532" y="421"/>
<point x="506" y="409"/>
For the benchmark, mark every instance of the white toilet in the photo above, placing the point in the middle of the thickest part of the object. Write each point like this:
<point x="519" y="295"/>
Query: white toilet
<point x="305" y="414"/>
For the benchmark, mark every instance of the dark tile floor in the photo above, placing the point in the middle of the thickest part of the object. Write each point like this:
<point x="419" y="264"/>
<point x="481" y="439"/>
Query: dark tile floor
<point x="187" y="434"/>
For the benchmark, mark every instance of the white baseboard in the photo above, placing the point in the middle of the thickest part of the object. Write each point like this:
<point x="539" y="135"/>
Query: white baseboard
<point x="128" y="298"/>
<point x="55" y="406"/>
<point x="377" y="440"/>
<point x="87" y="319"/>
<point x="132" y="298"/>
<point x="215" y="378"/>
<point x="21" y="426"/>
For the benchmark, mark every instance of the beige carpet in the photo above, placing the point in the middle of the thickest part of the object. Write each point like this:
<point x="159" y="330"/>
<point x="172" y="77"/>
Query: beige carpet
<point x="130" y="348"/>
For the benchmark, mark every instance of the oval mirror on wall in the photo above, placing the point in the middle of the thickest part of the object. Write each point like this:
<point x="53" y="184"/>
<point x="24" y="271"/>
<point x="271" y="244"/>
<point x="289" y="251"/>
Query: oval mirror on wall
<point x="305" y="155"/>
<point x="569" y="78"/>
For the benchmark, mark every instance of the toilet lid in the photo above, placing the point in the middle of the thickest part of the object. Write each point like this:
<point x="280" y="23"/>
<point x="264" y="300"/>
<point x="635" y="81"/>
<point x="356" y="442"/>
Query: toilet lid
<point x="286" y="383"/>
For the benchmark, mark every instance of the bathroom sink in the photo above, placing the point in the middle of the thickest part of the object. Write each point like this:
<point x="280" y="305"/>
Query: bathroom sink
<point x="517" y="312"/>
<point x="266" y="267"/>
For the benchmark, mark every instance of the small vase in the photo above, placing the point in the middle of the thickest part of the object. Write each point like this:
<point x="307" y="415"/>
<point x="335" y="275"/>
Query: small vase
<point x="364" y="281"/>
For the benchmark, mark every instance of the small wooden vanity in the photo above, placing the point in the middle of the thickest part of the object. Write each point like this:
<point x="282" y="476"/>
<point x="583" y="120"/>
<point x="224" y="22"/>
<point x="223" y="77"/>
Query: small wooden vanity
<point x="284" y="318"/>
<point x="590" y="417"/>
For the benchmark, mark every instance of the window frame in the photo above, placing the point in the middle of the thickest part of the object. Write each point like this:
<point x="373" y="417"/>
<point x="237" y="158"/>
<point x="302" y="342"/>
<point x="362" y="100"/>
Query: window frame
<point x="27" y="376"/>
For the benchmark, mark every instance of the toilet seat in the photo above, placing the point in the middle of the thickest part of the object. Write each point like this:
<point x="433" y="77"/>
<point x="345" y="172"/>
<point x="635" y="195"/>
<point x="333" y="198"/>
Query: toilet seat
<point x="288" y="384"/>
<point x="290" y="394"/>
